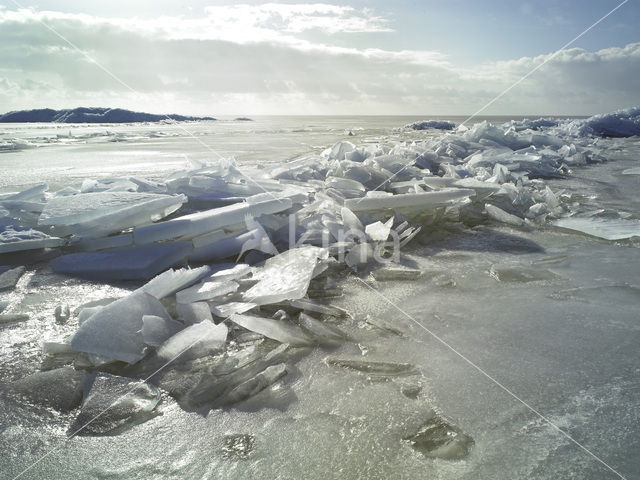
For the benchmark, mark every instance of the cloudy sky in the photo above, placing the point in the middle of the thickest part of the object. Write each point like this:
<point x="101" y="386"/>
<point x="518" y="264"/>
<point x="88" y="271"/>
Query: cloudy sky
<point x="447" y="57"/>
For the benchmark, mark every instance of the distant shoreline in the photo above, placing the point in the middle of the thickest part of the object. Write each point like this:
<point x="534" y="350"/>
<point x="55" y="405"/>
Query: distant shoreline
<point x="92" y="115"/>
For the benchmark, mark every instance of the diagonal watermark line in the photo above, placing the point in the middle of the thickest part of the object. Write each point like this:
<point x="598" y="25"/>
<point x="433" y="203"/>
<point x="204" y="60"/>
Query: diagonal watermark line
<point x="507" y="90"/>
<point x="135" y="92"/>
<point x="499" y="384"/>
<point x="557" y="52"/>
<point x="112" y="404"/>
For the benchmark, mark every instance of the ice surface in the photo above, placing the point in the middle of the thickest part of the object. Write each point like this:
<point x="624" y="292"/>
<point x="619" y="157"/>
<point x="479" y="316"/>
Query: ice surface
<point x="285" y="276"/>
<point x="60" y="388"/>
<point x="156" y="330"/>
<point x="373" y="368"/>
<point x="520" y="273"/>
<point x="607" y="228"/>
<point x="437" y="438"/>
<point x="112" y="403"/>
<point x="9" y="278"/>
<point x="13" y="317"/>
<point x="115" y="331"/>
<point x="197" y="340"/>
<point x="137" y="263"/>
<point x="393" y="271"/>
<point x="280" y="330"/>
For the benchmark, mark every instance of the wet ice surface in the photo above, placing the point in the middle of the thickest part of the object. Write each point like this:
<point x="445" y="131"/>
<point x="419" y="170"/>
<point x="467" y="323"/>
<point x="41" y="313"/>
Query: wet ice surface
<point x="550" y="314"/>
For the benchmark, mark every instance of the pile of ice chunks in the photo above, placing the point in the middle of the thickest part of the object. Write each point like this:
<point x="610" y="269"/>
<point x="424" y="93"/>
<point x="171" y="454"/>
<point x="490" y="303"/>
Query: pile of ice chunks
<point x="215" y="334"/>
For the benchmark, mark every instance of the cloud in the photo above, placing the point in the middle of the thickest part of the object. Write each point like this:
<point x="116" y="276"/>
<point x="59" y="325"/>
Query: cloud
<point x="258" y="59"/>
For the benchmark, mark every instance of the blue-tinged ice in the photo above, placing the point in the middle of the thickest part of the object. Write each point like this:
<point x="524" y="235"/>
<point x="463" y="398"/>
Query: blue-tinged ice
<point x="115" y="331"/>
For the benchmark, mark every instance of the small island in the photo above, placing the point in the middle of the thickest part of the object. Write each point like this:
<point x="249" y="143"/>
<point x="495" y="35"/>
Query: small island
<point x="91" y="115"/>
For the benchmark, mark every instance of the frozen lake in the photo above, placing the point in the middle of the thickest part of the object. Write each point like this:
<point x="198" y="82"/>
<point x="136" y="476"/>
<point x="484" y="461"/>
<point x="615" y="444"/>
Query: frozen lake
<point x="505" y="321"/>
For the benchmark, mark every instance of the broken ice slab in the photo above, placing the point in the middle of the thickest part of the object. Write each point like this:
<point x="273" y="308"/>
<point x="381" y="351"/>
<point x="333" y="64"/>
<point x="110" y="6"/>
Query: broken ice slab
<point x="212" y="387"/>
<point x="31" y="194"/>
<point x="199" y="223"/>
<point x="156" y="330"/>
<point x="311" y="306"/>
<point x="13" y="318"/>
<point x="251" y="387"/>
<point x="197" y="340"/>
<point x="323" y="332"/>
<point x="378" y="231"/>
<point x="99" y="214"/>
<point x="394" y="271"/>
<point x="225" y="310"/>
<point x="191" y="313"/>
<point x="9" y="278"/>
<point x="60" y="388"/>
<point x="606" y="228"/>
<point x="408" y="200"/>
<point x="136" y="263"/>
<point x="230" y="246"/>
<point x="279" y="330"/>
<point x="285" y="276"/>
<point x="83" y="244"/>
<point x="230" y="272"/>
<point x="206" y="291"/>
<point x="437" y="438"/>
<point x="16" y="240"/>
<point x="115" y="330"/>
<point x="171" y="281"/>
<point x="501" y="216"/>
<point x="351" y="221"/>
<point x="112" y="403"/>
<point x="481" y="188"/>
<point x="520" y="273"/>
<point x="373" y="368"/>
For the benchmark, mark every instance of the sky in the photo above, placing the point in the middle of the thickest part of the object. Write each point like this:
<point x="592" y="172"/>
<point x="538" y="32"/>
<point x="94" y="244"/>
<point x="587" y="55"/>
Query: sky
<point x="353" y="57"/>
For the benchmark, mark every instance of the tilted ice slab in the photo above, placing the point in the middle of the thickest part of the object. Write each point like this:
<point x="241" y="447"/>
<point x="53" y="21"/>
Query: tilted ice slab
<point x="136" y="263"/>
<point x="607" y="228"/>
<point x="102" y="213"/>
<point x="279" y="330"/>
<point x="285" y="276"/>
<point x="197" y="340"/>
<point x="171" y="281"/>
<point x="12" y="240"/>
<point x="115" y="331"/>
<point x="199" y="223"/>
<point x="408" y="200"/>
<point x="156" y="330"/>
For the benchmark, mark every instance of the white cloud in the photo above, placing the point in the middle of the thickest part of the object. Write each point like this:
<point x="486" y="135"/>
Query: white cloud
<point x="257" y="59"/>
